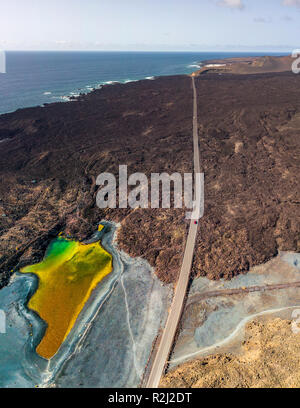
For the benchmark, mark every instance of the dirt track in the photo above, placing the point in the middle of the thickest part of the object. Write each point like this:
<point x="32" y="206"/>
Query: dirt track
<point x="231" y="292"/>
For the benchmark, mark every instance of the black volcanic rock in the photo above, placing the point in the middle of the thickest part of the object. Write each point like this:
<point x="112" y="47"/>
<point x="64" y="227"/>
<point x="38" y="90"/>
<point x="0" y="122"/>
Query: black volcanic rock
<point x="250" y="150"/>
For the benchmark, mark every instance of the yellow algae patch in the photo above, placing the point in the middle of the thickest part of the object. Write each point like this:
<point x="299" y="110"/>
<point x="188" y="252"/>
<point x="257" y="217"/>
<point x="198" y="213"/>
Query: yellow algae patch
<point x="67" y="276"/>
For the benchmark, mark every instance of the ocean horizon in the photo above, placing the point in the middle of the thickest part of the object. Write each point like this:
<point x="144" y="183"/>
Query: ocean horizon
<point x="35" y="78"/>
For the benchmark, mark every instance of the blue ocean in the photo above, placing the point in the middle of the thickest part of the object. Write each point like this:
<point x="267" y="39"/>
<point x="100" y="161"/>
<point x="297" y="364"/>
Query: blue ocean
<point x="35" y="78"/>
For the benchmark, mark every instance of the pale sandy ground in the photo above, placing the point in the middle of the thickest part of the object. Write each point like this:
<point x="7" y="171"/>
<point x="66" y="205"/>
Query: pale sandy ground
<point x="265" y="354"/>
<point x="269" y="358"/>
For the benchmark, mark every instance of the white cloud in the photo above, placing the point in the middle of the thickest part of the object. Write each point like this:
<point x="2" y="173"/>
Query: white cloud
<point x="291" y="3"/>
<point x="234" y="4"/>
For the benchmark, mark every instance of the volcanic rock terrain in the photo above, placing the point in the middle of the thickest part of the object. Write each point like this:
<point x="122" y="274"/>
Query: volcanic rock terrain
<point x="249" y="140"/>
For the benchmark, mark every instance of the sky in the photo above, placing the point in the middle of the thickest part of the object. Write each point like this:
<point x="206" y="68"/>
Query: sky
<point x="150" y="25"/>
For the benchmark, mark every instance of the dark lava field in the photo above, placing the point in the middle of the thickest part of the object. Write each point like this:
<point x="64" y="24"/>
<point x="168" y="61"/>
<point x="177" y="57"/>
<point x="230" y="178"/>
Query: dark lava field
<point x="249" y="140"/>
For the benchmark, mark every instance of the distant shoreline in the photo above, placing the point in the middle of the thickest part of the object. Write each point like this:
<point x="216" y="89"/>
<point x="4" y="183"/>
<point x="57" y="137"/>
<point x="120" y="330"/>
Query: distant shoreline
<point x="247" y="65"/>
<point x="38" y="78"/>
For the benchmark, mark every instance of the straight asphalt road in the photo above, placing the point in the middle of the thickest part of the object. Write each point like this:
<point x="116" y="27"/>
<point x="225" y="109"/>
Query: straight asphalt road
<point x="169" y="332"/>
